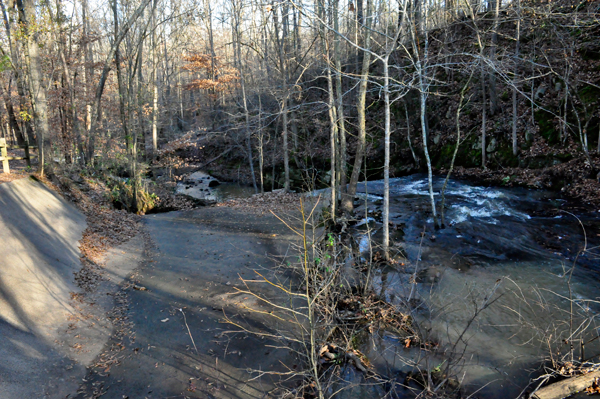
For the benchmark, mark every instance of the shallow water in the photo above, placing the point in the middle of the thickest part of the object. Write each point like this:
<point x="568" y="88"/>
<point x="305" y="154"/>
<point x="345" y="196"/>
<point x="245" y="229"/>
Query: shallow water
<point x="202" y="186"/>
<point x="226" y="191"/>
<point x="496" y="288"/>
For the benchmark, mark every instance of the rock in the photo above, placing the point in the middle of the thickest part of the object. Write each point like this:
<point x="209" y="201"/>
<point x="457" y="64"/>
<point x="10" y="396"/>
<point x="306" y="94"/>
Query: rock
<point x="539" y="93"/>
<point x="528" y="135"/>
<point x="436" y="138"/>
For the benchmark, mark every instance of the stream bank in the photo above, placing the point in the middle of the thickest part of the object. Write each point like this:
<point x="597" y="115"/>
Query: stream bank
<point x="494" y="291"/>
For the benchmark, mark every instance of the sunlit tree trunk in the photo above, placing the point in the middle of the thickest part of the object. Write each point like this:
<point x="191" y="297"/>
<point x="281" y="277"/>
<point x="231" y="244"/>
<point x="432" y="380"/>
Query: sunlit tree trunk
<point x="154" y="83"/>
<point x="36" y="84"/>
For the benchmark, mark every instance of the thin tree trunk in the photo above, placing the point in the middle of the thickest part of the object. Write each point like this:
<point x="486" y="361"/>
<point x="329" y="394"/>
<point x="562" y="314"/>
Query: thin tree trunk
<point x="238" y="55"/>
<point x="493" y="51"/>
<point x="483" y="118"/>
<point x="261" y="147"/>
<point x="284" y="105"/>
<point x="154" y="82"/>
<point x="458" y="109"/>
<point x="341" y="157"/>
<point x="386" y="162"/>
<point x="412" y="151"/>
<point x="120" y="87"/>
<point x="286" y="154"/>
<point x="514" y="91"/>
<point x="333" y="134"/>
<point x="423" y="101"/>
<point x="68" y="79"/>
<point x="347" y="200"/>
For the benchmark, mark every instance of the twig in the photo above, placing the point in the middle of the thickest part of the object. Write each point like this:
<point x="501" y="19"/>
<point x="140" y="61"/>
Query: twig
<point x="189" y="332"/>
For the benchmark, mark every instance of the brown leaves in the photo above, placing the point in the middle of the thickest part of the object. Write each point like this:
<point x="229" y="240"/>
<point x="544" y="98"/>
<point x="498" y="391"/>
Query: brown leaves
<point x="223" y="76"/>
<point x="594" y="388"/>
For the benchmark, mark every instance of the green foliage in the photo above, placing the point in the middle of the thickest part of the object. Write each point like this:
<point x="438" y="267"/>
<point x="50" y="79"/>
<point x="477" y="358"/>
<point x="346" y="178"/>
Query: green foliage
<point x="545" y="121"/>
<point x="506" y="158"/>
<point x="445" y="156"/>
<point x="131" y="195"/>
<point x="330" y="240"/>
<point x="589" y="94"/>
<point x="5" y="63"/>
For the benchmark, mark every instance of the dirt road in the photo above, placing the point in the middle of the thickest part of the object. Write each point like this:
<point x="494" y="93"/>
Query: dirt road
<point x="189" y="280"/>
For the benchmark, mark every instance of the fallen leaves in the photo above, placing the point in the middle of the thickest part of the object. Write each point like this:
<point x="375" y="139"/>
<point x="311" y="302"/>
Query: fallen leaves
<point x="594" y="388"/>
<point x="277" y="201"/>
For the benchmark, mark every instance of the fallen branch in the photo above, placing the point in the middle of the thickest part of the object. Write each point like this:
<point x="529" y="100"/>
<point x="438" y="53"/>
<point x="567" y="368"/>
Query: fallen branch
<point x="566" y="388"/>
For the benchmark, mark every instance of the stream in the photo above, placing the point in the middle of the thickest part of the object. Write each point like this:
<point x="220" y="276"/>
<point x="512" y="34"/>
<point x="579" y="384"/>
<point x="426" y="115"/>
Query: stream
<point x="493" y="290"/>
<point x="206" y="188"/>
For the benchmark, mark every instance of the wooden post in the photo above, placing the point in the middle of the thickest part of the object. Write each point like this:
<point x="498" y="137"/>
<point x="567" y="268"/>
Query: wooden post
<point x="27" y="156"/>
<point x="4" y="156"/>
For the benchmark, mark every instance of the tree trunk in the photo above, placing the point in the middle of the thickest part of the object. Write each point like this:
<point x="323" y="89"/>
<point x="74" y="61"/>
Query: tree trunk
<point x="423" y="101"/>
<point x="61" y="40"/>
<point x="284" y="105"/>
<point x="87" y="76"/>
<point x="347" y="200"/>
<point x="12" y="33"/>
<point x="483" y="117"/>
<point x="408" y="138"/>
<point x="515" y="117"/>
<point x="261" y="146"/>
<point x="386" y="162"/>
<point x="493" y="50"/>
<point x="36" y="86"/>
<point x="458" y="109"/>
<point x="96" y="110"/>
<point x="341" y="156"/>
<point x="237" y="10"/>
<point x="154" y="82"/>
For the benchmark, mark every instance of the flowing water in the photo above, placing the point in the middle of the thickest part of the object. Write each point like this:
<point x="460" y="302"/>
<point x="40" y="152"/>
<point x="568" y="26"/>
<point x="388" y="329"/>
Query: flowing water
<point x="514" y="274"/>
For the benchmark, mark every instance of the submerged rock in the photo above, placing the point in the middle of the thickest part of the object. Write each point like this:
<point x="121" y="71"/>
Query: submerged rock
<point x="353" y="385"/>
<point x="198" y="185"/>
